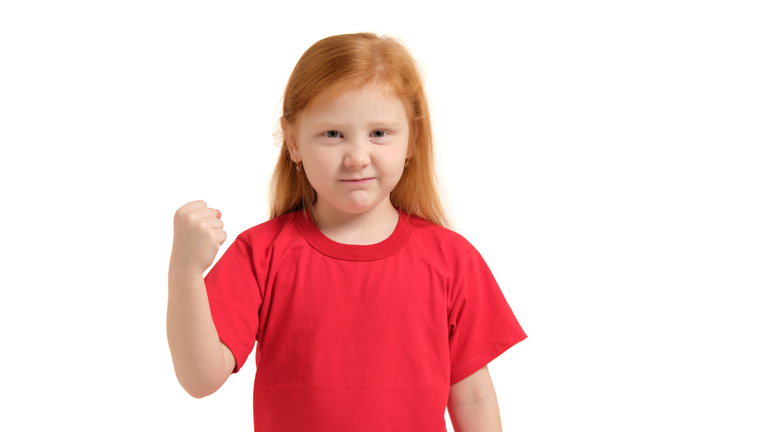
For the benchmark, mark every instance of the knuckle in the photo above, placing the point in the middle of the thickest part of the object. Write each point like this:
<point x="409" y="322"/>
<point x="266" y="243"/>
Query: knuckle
<point x="192" y="218"/>
<point x="202" y="225"/>
<point x="179" y="213"/>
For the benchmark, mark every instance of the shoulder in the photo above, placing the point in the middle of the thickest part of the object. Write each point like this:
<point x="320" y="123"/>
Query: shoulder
<point x="270" y="232"/>
<point x="435" y="237"/>
<point x="447" y="255"/>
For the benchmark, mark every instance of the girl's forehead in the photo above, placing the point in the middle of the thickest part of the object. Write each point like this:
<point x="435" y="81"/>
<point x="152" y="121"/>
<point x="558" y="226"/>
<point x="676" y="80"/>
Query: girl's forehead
<point x="350" y="93"/>
<point x="357" y="106"/>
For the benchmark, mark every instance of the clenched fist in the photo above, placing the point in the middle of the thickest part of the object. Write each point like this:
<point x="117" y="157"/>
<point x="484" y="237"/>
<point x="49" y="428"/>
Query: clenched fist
<point x="197" y="234"/>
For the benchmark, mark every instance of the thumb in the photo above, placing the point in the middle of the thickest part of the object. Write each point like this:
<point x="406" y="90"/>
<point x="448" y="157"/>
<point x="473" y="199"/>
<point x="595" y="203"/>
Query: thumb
<point x="218" y="214"/>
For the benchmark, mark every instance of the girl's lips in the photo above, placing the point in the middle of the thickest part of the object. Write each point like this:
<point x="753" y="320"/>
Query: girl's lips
<point x="358" y="182"/>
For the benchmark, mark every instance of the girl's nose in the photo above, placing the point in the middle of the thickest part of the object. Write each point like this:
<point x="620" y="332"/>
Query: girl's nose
<point x="357" y="156"/>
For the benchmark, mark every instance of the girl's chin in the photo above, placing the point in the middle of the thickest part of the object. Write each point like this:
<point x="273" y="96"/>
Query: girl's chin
<point x="356" y="207"/>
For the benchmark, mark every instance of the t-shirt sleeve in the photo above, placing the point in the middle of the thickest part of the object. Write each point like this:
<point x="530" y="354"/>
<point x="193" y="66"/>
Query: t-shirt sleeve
<point x="235" y="300"/>
<point x="481" y="323"/>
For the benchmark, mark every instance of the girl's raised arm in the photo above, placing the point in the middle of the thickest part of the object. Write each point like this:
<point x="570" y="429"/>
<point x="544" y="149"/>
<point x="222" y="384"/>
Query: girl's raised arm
<point x="201" y="361"/>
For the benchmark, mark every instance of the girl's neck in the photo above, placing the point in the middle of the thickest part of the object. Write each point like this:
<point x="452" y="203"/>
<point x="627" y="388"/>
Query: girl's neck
<point x="371" y="227"/>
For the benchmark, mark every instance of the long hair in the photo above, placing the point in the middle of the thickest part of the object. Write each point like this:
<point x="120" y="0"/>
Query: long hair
<point x="334" y="65"/>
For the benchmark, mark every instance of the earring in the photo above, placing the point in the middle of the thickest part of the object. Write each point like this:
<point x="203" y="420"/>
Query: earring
<point x="406" y="163"/>
<point x="298" y="169"/>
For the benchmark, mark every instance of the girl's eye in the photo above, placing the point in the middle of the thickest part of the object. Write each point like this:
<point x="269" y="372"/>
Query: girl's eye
<point x="332" y="134"/>
<point x="379" y="134"/>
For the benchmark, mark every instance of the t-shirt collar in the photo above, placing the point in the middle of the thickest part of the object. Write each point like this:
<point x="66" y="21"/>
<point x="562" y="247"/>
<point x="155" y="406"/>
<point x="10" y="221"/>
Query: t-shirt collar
<point x="348" y="252"/>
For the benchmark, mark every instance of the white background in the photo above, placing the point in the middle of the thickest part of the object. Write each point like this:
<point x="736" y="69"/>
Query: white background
<point x="608" y="159"/>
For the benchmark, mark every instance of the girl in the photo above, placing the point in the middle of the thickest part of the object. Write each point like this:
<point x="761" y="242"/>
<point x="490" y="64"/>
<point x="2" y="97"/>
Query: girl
<point x="369" y="313"/>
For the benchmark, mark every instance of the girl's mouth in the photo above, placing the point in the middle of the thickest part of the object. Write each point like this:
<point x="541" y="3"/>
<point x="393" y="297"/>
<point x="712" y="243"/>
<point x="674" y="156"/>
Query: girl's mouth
<point x="358" y="181"/>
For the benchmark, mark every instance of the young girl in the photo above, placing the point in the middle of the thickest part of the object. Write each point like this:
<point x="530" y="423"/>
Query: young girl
<point x="370" y="314"/>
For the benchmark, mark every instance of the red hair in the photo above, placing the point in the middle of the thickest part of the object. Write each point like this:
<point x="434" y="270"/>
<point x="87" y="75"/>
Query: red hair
<point x="339" y="63"/>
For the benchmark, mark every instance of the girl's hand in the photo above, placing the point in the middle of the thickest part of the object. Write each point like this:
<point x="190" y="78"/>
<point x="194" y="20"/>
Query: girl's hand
<point x="197" y="234"/>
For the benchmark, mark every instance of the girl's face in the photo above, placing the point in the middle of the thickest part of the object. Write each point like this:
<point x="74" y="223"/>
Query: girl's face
<point x="352" y="149"/>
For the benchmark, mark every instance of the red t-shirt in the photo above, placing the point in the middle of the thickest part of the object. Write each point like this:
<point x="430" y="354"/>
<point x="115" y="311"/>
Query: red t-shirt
<point x="357" y="337"/>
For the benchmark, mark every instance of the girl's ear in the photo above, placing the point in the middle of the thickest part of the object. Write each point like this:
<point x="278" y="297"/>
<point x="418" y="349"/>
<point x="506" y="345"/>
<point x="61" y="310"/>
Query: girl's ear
<point x="289" y="135"/>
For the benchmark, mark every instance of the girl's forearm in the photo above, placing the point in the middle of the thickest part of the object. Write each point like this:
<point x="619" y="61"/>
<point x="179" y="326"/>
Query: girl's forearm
<point x="192" y="337"/>
<point x="478" y="416"/>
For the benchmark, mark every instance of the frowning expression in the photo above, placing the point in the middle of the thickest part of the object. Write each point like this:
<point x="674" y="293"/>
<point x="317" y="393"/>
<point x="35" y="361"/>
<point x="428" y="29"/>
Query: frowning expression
<point x="352" y="148"/>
